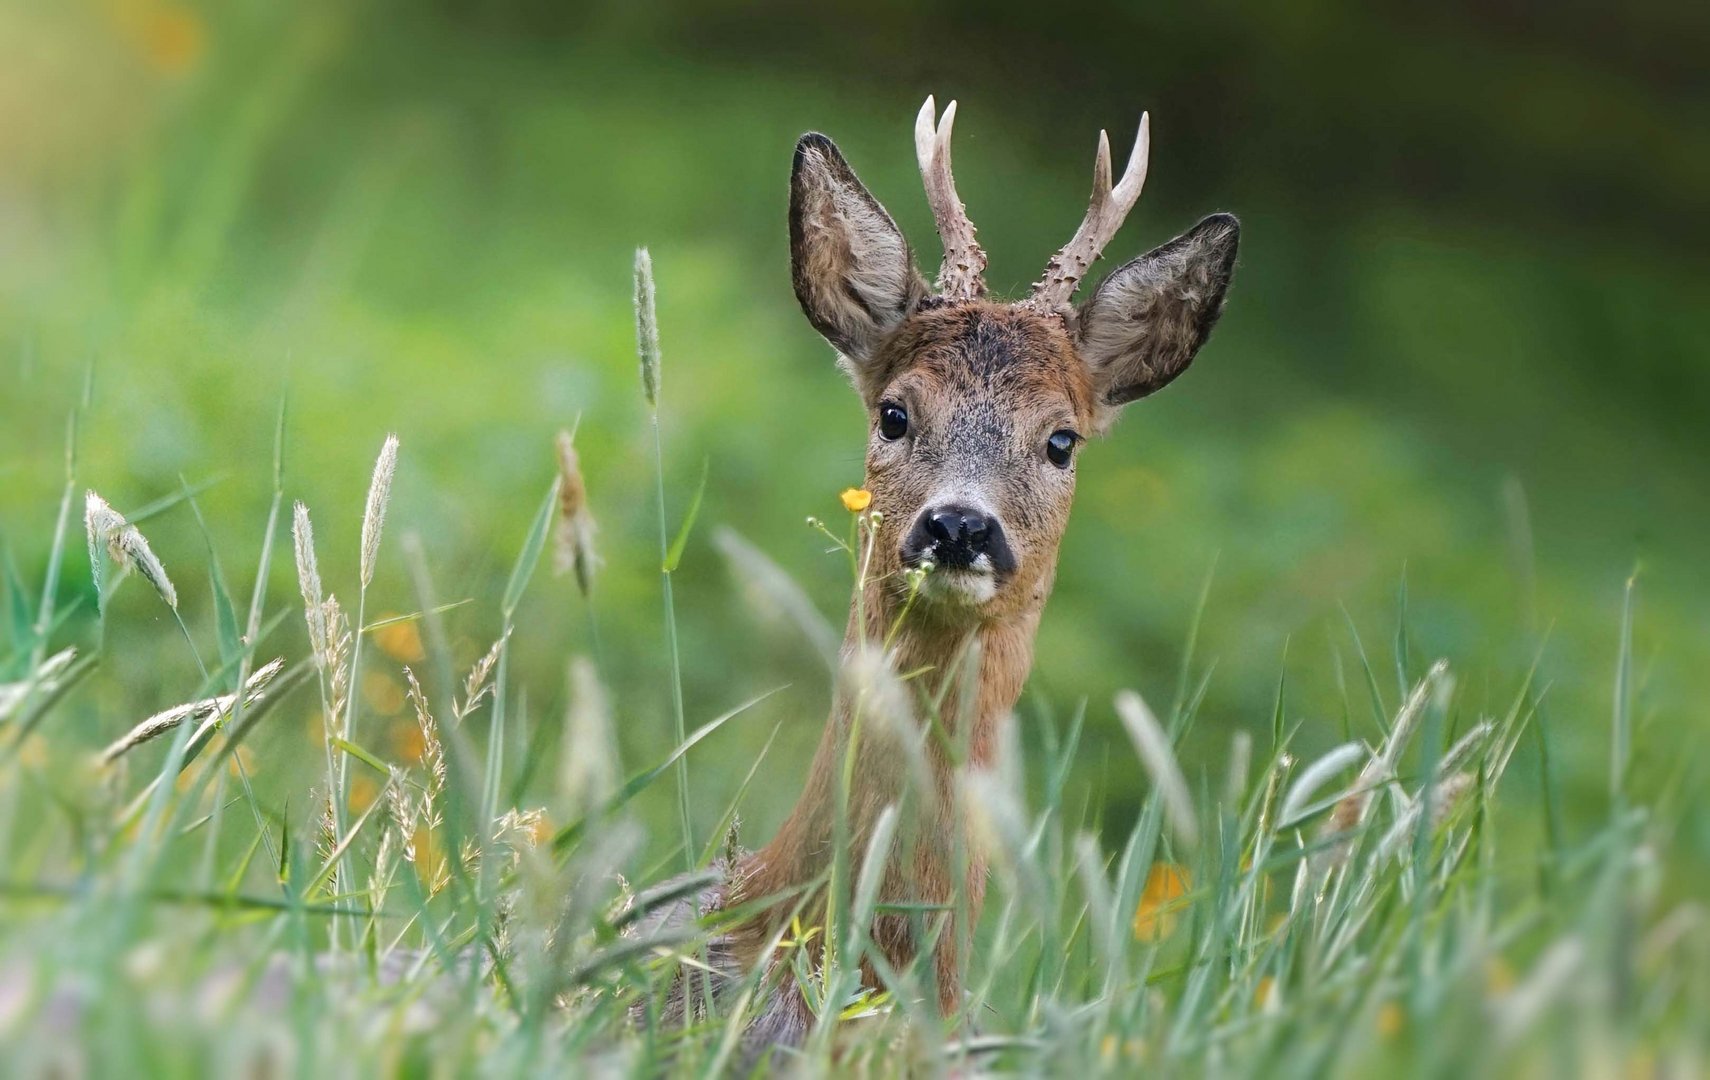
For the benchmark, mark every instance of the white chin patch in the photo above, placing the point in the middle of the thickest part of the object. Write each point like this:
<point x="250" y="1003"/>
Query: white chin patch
<point x="971" y="585"/>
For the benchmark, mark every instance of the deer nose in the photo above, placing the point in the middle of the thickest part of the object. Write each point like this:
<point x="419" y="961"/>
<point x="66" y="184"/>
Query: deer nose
<point x="956" y="537"/>
<point x="959" y="527"/>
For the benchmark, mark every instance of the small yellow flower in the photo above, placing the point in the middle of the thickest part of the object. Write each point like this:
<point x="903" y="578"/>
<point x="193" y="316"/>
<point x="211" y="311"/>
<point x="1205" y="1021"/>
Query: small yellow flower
<point x="539" y="830"/>
<point x="363" y="792"/>
<point x="1498" y="977"/>
<point x="429" y="856"/>
<point x="1160" y="900"/>
<point x="407" y="740"/>
<point x="401" y="641"/>
<point x="1390" y="1020"/>
<point x="1265" y="994"/>
<point x="34" y="752"/>
<point x="246" y="757"/>
<point x="856" y="500"/>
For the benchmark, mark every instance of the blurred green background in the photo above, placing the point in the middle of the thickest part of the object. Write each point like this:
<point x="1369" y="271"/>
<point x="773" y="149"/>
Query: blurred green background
<point x="1464" y="371"/>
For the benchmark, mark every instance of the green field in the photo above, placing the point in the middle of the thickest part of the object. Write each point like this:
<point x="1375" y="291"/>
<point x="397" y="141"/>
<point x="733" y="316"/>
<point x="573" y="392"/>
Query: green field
<point x="1454" y="413"/>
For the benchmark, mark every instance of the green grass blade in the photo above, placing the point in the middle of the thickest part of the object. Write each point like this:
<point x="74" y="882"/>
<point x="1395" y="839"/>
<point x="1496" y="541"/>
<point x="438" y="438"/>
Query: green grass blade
<point x="529" y="557"/>
<point x="674" y="555"/>
<point x="567" y="836"/>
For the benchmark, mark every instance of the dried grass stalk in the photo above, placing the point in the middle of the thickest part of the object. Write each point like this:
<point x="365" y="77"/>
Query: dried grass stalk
<point x="573" y="549"/>
<point x="477" y="686"/>
<point x="336" y="661"/>
<point x="433" y="752"/>
<point x="206" y="713"/>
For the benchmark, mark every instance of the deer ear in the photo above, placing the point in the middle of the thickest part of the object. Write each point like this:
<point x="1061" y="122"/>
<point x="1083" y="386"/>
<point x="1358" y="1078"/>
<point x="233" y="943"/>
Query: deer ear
<point x="853" y="271"/>
<point x="1144" y="324"/>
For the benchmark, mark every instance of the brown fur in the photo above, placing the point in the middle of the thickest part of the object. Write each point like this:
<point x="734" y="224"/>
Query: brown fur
<point x="985" y="385"/>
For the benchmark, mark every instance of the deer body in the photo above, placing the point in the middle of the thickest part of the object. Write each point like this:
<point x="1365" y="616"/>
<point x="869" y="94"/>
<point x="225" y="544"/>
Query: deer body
<point x="977" y="409"/>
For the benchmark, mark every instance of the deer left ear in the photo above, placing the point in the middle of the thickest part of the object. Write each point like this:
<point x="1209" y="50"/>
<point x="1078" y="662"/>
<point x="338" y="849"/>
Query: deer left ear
<point x="853" y="271"/>
<point x="1144" y="324"/>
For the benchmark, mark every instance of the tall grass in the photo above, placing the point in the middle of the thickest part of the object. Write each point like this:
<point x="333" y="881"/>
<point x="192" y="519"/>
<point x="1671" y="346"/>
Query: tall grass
<point x="1382" y="905"/>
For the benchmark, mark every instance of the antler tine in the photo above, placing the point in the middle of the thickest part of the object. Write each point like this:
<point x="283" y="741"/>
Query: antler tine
<point x="962" y="273"/>
<point x="1106" y="210"/>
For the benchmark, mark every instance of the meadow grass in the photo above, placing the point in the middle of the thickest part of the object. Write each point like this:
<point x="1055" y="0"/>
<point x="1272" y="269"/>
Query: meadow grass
<point x="460" y="904"/>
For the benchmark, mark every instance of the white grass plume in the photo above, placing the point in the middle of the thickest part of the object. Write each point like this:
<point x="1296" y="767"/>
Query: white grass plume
<point x="126" y="548"/>
<point x="309" y="581"/>
<point x="206" y="713"/>
<point x="588" y="766"/>
<point x="774" y="594"/>
<point x="374" y="511"/>
<point x="45" y="680"/>
<point x="647" y="327"/>
<point x="1153" y="746"/>
<point x="339" y="642"/>
<point x="1314" y="777"/>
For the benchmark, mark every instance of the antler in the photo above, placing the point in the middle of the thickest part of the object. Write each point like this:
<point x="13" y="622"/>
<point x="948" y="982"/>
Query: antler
<point x="962" y="274"/>
<point x="1104" y="216"/>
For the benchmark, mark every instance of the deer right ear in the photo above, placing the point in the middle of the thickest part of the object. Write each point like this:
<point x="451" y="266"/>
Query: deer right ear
<point x="853" y="271"/>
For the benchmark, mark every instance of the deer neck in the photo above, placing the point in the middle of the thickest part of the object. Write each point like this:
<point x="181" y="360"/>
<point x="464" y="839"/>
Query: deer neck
<point x="975" y="671"/>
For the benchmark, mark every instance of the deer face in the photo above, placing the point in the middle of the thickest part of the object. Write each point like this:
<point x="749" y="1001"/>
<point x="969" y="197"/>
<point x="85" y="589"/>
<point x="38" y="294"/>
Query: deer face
<point x="978" y="409"/>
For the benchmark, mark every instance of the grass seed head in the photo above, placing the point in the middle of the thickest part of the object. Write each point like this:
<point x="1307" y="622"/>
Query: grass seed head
<point x="574" y="539"/>
<point x="374" y="512"/>
<point x="337" y="663"/>
<point x="141" y="556"/>
<point x="309" y="580"/>
<point x="588" y="767"/>
<point x="433" y="751"/>
<point x="646" y="327"/>
<point x="203" y="712"/>
<point x="125" y="547"/>
<point x="102" y="524"/>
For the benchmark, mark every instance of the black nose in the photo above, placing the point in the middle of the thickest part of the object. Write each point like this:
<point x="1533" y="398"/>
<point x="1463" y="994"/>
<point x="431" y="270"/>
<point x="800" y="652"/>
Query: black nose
<point x="959" y="527"/>
<point x="955" y="536"/>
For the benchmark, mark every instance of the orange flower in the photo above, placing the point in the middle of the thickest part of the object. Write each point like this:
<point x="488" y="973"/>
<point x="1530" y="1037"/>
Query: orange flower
<point x="363" y="792"/>
<point x="242" y="756"/>
<point x="1160" y="901"/>
<point x="856" y="500"/>
<point x="170" y="36"/>
<point x="402" y="641"/>
<point x="408" y="741"/>
<point x="430" y="856"/>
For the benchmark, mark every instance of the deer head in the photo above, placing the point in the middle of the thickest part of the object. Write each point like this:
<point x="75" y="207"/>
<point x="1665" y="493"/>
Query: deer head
<point x="978" y="407"/>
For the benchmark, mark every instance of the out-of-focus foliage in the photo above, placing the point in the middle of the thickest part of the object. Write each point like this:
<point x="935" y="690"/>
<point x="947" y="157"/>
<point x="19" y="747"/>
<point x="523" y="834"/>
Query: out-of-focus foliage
<point x="1464" y="361"/>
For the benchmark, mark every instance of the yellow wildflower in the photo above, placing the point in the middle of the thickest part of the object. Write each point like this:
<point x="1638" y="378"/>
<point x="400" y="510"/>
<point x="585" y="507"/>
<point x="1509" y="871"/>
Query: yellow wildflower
<point x="363" y="792"/>
<point x="402" y="641"/>
<point x="244" y="756"/>
<point x="856" y="500"/>
<point x="1160" y="900"/>
<point x="1390" y="1020"/>
<point x="408" y="740"/>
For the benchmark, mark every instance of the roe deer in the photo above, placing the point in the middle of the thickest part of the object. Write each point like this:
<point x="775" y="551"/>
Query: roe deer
<point x="978" y="410"/>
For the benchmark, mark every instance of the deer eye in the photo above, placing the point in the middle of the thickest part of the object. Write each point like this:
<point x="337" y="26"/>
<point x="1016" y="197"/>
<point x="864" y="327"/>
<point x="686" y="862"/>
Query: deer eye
<point x="893" y="421"/>
<point x="1060" y="448"/>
